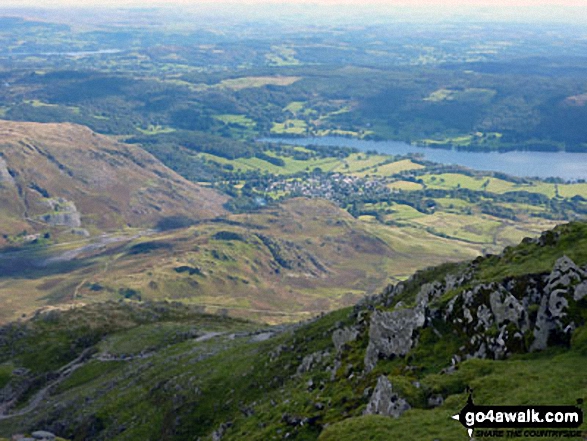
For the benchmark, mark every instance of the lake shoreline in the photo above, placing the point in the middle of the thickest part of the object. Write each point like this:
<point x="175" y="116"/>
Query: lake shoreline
<point x="569" y="166"/>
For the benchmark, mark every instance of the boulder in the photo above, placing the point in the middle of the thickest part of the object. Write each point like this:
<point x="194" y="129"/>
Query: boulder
<point x="384" y="401"/>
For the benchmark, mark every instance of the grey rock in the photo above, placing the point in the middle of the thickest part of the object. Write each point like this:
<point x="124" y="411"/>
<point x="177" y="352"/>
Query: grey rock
<point x="553" y="304"/>
<point x="505" y="307"/>
<point x="384" y="401"/>
<point x="43" y="435"/>
<point x="392" y="334"/>
<point x="544" y="325"/>
<point x="337" y="365"/>
<point x="563" y="274"/>
<point x="435" y="401"/>
<point x="484" y="316"/>
<point x="219" y="433"/>
<point x="5" y="175"/>
<point x="80" y="232"/>
<point x="580" y="291"/>
<point x="262" y="336"/>
<point x="428" y="292"/>
<point x="64" y="212"/>
<point x="309" y="361"/>
<point x="481" y="352"/>
<point x="557" y="303"/>
<point x="467" y="314"/>
<point x="340" y="337"/>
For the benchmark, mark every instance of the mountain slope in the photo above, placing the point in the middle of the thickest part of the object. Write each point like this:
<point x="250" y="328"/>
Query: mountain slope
<point x="396" y="366"/>
<point x="59" y="177"/>
<point x="286" y="262"/>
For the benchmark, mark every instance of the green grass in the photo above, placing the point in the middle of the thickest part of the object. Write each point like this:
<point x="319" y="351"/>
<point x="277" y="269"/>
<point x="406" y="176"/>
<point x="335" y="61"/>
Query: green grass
<point x="531" y="258"/>
<point x="544" y="379"/>
<point x="155" y="130"/>
<point x="243" y="120"/>
<point x="38" y="103"/>
<point x="5" y="373"/>
<point x="439" y="95"/>
<point x="294" y="107"/>
<point x="290" y="126"/>
<point x="189" y="388"/>
<point x="476" y="229"/>
<point x="282" y="56"/>
<point x="403" y="212"/>
<point x="252" y="82"/>
<point x="463" y="140"/>
<point x="449" y="181"/>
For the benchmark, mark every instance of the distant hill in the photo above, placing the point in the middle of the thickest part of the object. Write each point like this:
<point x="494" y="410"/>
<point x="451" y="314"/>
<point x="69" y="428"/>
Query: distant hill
<point x="285" y="262"/>
<point x="59" y="178"/>
<point x="511" y="327"/>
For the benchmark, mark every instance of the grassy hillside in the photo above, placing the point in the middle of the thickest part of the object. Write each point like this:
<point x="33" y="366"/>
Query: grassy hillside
<point x="281" y="264"/>
<point x="65" y="181"/>
<point x="192" y="376"/>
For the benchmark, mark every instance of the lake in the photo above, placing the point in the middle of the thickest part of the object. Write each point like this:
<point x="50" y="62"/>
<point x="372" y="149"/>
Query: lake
<point x="568" y="166"/>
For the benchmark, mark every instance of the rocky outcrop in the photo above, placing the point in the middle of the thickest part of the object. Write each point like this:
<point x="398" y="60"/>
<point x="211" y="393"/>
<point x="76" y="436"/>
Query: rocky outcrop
<point x="384" y="401"/>
<point x="518" y="314"/>
<point x="559" y="290"/>
<point x="43" y="435"/>
<point x="392" y="334"/>
<point x="64" y="213"/>
<point x="5" y="176"/>
<point x="499" y="318"/>
<point x="341" y="337"/>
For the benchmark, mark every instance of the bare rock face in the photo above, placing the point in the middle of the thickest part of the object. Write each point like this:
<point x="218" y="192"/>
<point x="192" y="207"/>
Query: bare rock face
<point x="63" y="212"/>
<point x="506" y="308"/>
<point x="5" y="175"/>
<point x="392" y="334"/>
<point x="384" y="401"/>
<point x="563" y="283"/>
<point x="519" y="314"/>
<point x="497" y="316"/>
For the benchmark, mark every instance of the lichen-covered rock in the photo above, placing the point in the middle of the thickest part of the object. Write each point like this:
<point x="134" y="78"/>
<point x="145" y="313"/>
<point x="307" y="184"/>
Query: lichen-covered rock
<point x="43" y="435"/>
<point x="435" y="401"/>
<point x="392" y="334"/>
<point x="580" y="291"/>
<point x="429" y="292"/>
<point x="561" y="285"/>
<point x="384" y="401"/>
<point x="340" y="337"/>
<point x="564" y="274"/>
<point x="506" y="308"/>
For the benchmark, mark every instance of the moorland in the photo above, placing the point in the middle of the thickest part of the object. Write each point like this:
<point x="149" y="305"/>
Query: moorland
<point x="171" y="269"/>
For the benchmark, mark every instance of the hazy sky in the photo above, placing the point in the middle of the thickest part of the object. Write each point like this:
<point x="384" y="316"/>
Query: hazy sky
<point x="412" y="3"/>
<point x="561" y="11"/>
